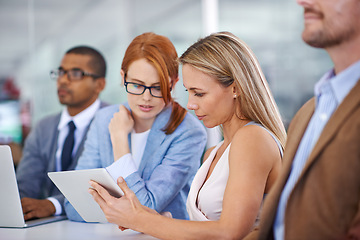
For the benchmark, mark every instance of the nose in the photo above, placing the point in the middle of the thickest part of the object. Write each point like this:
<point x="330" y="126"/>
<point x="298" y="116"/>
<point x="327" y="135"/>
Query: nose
<point x="191" y="105"/>
<point x="146" y="95"/>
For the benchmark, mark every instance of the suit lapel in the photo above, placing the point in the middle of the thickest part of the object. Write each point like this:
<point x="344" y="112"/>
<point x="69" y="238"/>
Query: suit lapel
<point x="156" y="137"/>
<point x="344" y="110"/>
<point x="298" y="129"/>
<point x="81" y="145"/>
<point x="54" y="133"/>
<point x="52" y="161"/>
<point x="296" y="132"/>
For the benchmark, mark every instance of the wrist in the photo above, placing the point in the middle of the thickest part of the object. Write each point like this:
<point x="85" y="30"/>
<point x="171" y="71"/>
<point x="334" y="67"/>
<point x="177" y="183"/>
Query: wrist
<point x="120" y="148"/>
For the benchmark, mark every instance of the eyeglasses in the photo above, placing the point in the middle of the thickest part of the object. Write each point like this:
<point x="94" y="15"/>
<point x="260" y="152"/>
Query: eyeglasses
<point x="139" y="89"/>
<point x="74" y="74"/>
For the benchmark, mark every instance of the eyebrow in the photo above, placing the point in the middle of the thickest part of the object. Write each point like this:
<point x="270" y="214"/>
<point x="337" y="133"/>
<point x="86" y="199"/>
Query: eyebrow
<point x="193" y="88"/>
<point x="142" y="82"/>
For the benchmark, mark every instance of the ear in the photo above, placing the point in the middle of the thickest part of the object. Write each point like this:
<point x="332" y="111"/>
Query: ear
<point x="173" y="83"/>
<point x="122" y="73"/>
<point x="100" y="84"/>
<point x="235" y="92"/>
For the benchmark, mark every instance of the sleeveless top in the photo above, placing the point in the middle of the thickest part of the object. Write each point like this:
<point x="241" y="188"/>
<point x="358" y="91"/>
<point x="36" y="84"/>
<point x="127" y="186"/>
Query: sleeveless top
<point x="204" y="201"/>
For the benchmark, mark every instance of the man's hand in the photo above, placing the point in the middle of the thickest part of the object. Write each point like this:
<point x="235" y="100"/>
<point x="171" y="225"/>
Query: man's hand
<point x="35" y="208"/>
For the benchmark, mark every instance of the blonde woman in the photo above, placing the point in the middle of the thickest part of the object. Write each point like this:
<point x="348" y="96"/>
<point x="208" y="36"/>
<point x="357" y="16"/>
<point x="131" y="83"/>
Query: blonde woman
<point x="226" y="87"/>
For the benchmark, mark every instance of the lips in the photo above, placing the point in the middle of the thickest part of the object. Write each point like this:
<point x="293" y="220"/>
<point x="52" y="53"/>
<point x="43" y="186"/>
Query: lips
<point x="310" y="14"/>
<point x="145" y="108"/>
<point x="200" y="117"/>
<point x="62" y="91"/>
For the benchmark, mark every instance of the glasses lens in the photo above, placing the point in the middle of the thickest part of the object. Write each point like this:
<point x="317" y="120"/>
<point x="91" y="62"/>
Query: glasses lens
<point x="156" y="91"/>
<point x="134" y="88"/>
<point x="54" y="74"/>
<point x="75" y="74"/>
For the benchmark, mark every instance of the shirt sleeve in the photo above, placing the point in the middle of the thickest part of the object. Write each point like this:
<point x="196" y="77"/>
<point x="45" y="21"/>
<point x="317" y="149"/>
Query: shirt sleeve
<point x="58" y="208"/>
<point x="123" y="167"/>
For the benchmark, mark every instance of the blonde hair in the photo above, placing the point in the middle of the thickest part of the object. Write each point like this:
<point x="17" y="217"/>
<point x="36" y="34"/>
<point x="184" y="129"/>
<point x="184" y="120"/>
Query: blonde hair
<point x="228" y="59"/>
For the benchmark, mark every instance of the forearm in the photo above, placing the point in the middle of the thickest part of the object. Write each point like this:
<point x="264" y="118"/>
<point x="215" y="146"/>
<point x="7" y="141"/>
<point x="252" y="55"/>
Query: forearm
<point x="169" y="228"/>
<point x="120" y="145"/>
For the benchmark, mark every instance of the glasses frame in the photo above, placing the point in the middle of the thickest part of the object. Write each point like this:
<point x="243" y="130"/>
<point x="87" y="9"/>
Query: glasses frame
<point x="145" y="87"/>
<point x="83" y="73"/>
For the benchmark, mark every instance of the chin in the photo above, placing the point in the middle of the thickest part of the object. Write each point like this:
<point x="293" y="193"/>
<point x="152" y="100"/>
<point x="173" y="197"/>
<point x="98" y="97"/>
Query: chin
<point x="209" y="125"/>
<point x="145" y="115"/>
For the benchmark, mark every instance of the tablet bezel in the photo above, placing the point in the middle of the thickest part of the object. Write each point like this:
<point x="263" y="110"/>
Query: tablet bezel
<point x="74" y="185"/>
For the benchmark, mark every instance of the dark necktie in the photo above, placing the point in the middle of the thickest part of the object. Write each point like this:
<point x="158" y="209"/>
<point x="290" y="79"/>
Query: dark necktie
<point x="66" y="155"/>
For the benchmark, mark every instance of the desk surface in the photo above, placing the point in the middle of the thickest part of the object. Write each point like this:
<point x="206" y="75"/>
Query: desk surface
<point x="66" y="229"/>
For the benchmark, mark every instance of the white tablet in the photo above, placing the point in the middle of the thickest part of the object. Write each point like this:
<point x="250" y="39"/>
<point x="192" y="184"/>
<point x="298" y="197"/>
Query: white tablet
<point x="74" y="186"/>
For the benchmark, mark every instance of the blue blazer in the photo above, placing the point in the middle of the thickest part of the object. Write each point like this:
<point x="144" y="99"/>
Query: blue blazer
<point x="39" y="158"/>
<point x="168" y="165"/>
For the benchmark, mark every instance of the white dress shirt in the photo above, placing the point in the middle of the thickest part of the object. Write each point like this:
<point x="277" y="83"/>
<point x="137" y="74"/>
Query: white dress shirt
<point x="81" y="121"/>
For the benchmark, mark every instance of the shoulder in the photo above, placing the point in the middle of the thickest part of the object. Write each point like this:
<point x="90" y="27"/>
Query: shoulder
<point x="106" y="112"/>
<point x="254" y="144"/>
<point x="307" y="108"/>
<point x="44" y="130"/>
<point x="252" y="133"/>
<point x="48" y="121"/>
<point x="189" y="124"/>
<point x="301" y="118"/>
<point x="104" y="104"/>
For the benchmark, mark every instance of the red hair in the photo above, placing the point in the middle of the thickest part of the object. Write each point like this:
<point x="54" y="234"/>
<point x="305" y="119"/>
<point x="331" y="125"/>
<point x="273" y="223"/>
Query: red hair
<point x="161" y="53"/>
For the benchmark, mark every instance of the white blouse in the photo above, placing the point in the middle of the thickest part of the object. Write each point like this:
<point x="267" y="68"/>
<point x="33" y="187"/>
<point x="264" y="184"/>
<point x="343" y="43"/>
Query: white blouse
<point x="205" y="200"/>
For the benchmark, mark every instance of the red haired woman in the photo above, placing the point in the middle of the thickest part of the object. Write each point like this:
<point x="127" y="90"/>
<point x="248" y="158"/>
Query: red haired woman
<point x="151" y="141"/>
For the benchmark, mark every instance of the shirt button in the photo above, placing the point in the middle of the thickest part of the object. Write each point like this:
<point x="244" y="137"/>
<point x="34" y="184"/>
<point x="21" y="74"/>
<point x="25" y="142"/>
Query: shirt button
<point x="323" y="116"/>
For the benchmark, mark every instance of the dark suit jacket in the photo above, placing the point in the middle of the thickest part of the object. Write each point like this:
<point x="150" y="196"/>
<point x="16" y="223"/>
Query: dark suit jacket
<point x="325" y="202"/>
<point x="39" y="158"/>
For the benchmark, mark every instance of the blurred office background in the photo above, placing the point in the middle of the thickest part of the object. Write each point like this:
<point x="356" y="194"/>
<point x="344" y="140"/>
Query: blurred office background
<point x="34" y="35"/>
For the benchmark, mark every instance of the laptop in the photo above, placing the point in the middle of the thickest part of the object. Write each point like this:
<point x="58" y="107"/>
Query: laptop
<point x="11" y="214"/>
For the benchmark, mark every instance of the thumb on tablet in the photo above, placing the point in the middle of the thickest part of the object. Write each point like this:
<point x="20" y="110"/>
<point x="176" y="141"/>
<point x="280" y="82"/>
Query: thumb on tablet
<point x="124" y="187"/>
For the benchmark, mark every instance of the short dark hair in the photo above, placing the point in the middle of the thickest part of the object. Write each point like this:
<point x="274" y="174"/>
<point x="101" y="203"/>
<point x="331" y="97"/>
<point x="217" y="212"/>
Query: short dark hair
<point x="97" y="62"/>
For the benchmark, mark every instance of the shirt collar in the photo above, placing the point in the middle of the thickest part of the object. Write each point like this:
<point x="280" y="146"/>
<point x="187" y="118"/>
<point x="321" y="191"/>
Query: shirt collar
<point x="342" y="83"/>
<point x="82" y="119"/>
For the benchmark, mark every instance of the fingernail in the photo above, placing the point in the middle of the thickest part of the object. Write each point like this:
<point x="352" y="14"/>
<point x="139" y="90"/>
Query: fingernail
<point x="120" y="179"/>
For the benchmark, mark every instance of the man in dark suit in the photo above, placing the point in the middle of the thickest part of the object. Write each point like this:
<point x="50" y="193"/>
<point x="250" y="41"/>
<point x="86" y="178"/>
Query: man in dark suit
<point x="57" y="141"/>
<point x="317" y="196"/>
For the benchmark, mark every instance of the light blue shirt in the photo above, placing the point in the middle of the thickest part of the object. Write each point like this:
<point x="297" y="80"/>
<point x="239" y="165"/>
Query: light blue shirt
<point x="330" y="91"/>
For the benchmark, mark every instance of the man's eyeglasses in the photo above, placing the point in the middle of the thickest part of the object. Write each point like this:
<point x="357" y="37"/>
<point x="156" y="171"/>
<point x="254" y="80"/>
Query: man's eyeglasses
<point x="74" y="74"/>
<point x="139" y="89"/>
